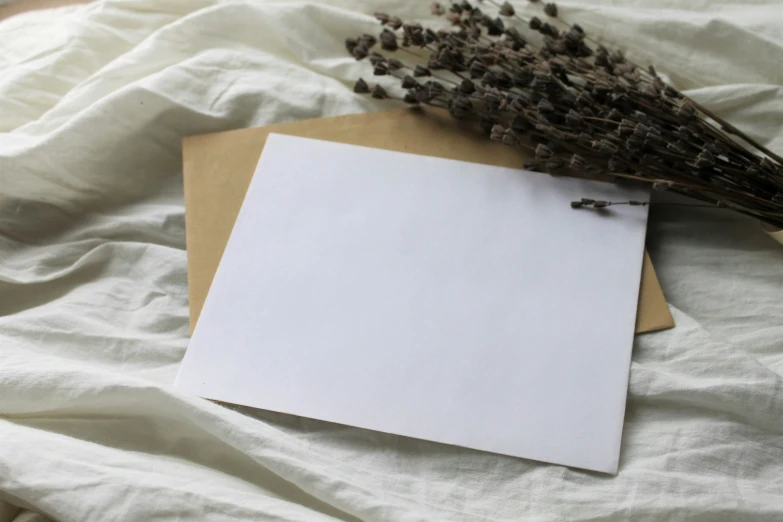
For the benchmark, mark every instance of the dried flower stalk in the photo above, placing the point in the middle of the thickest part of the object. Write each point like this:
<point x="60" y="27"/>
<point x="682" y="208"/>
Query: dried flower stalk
<point x="579" y="107"/>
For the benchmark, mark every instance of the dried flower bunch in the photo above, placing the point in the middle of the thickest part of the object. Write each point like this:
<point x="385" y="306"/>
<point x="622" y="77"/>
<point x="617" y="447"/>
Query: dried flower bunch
<point x="577" y="105"/>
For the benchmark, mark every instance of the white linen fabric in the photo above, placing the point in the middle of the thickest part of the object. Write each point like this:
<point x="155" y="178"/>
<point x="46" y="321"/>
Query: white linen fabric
<point x="94" y="101"/>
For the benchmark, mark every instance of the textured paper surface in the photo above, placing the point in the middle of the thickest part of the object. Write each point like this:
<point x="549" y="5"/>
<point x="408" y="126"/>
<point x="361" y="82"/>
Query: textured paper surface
<point x="218" y="168"/>
<point x="444" y="300"/>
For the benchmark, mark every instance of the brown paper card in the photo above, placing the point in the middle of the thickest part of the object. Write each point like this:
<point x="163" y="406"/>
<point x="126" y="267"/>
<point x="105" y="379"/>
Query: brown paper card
<point x="218" y="168"/>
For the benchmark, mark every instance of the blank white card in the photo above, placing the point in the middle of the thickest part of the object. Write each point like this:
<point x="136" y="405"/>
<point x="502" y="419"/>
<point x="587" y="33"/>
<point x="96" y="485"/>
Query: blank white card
<point x="449" y="301"/>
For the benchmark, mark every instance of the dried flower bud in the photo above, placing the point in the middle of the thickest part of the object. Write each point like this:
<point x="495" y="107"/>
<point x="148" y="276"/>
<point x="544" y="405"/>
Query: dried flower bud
<point x="543" y="152"/>
<point x="361" y="87"/>
<point x="705" y="159"/>
<point x="577" y="204"/>
<point x="541" y="82"/>
<point x="380" y="69"/>
<point x="455" y="8"/>
<point x="466" y="87"/>
<point x="607" y="147"/>
<point x="584" y="99"/>
<point x="487" y="121"/>
<point x="360" y="51"/>
<point x="383" y="18"/>
<point x="641" y="130"/>
<point x="388" y="40"/>
<point x="510" y="140"/>
<point x="395" y="23"/>
<point x="415" y="33"/>
<point x="506" y="9"/>
<point x="350" y="44"/>
<point x="435" y="88"/>
<point x="410" y="98"/>
<point x="477" y="69"/>
<point x="460" y="106"/>
<point x="437" y="9"/>
<point x="614" y="115"/>
<point x="634" y="143"/>
<point x="497" y="132"/>
<point x="585" y="139"/>
<point x="574" y="118"/>
<point x="671" y="92"/>
<point x="492" y="94"/>
<point x="626" y="127"/>
<point x="573" y="38"/>
<point x="434" y="63"/>
<point x="368" y="40"/>
<point x="409" y="83"/>
<point x="577" y="162"/>
<point x="376" y="58"/>
<point x="686" y="110"/>
<point x="513" y="34"/>
<point x="379" y="92"/>
<point x="535" y="23"/>
<point x="601" y="204"/>
<point x="545" y="107"/>
<point x="420" y="71"/>
<point x="495" y="27"/>
<point x="519" y="103"/>
<point x="548" y="29"/>
<point x="394" y="64"/>
<point x="551" y="9"/>
<point x="649" y="91"/>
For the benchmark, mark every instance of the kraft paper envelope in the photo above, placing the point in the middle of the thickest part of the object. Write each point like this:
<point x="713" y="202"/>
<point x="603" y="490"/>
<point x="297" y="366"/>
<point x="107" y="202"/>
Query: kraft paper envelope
<point x="217" y="169"/>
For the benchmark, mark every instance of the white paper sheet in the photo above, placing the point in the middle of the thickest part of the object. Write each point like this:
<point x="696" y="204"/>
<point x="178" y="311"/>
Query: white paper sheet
<point x="431" y="298"/>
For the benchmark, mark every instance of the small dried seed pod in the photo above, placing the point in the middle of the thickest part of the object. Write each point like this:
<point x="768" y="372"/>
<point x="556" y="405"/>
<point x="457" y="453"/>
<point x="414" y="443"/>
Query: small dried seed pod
<point x="607" y="147"/>
<point x="408" y="82"/>
<point x="545" y="107"/>
<point x="497" y="132"/>
<point x="577" y="162"/>
<point x="420" y="71"/>
<point x="466" y="87"/>
<point x="574" y="118"/>
<point x="379" y="92"/>
<point x="388" y="40"/>
<point x="360" y="52"/>
<point x="535" y="23"/>
<point x="506" y="9"/>
<point x="460" y="106"/>
<point x="543" y="152"/>
<point x="361" y="87"/>
<point x="410" y="98"/>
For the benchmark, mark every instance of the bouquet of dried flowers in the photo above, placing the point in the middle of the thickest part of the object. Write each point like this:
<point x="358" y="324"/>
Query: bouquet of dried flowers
<point x="576" y="105"/>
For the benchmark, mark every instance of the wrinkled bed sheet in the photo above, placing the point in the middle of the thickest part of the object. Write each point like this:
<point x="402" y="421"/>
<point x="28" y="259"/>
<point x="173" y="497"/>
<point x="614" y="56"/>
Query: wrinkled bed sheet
<point x="93" y="297"/>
